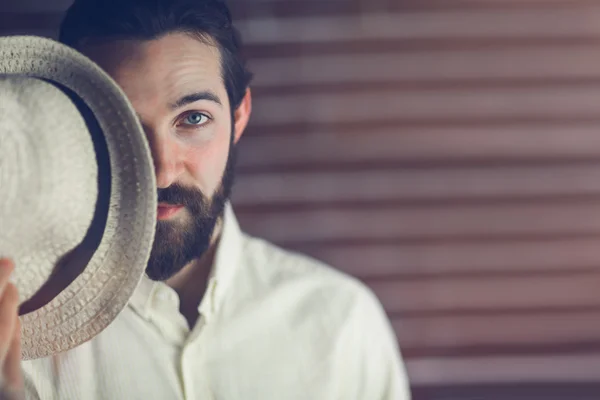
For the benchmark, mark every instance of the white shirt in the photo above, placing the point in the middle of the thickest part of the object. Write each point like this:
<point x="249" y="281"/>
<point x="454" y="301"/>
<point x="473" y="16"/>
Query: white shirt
<point x="273" y="325"/>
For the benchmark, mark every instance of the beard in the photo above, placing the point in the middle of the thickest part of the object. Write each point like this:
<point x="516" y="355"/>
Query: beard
<point x="176" y="243"/>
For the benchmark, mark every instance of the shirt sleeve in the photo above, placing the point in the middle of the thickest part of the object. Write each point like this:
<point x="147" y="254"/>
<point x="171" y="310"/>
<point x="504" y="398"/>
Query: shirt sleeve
<point x="369" y="356"/>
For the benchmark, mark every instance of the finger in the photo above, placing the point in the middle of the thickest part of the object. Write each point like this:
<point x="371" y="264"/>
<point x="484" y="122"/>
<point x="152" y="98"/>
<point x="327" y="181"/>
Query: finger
<point x="13" y="376"/>
<point x="9" y="304"/>
<point x="6" y="269"/>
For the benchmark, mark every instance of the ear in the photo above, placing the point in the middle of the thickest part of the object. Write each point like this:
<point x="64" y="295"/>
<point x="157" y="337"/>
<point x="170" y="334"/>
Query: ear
<point x="241" y="116"/>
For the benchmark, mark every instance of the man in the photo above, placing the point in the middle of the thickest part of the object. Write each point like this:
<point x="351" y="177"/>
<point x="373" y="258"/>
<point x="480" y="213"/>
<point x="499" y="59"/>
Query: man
<point x="220" y="315"/>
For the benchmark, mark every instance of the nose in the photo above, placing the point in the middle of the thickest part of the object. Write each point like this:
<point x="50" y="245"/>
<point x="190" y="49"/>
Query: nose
<point x="167" y="159"/>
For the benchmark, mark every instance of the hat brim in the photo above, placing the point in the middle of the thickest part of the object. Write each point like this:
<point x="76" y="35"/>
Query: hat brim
<point x="95" y="298"/>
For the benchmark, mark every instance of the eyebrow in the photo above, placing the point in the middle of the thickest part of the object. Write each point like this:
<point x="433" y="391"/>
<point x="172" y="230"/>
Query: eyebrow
<point x="193" y="97"/>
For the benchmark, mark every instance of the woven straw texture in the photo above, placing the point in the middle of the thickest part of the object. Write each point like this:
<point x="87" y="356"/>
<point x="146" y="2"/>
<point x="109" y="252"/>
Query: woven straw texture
<point x="49" y="190"/>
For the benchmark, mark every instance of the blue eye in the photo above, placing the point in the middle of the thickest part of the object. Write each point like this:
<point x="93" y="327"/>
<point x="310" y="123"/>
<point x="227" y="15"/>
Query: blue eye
<point x="196" y="119"/>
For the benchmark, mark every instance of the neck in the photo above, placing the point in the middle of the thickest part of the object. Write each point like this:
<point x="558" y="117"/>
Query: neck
<point x="191" y="282"/>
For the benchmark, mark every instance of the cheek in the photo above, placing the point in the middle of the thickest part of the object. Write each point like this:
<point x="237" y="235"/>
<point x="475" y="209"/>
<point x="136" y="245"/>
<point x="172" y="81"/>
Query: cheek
<point x="206" y="163"/>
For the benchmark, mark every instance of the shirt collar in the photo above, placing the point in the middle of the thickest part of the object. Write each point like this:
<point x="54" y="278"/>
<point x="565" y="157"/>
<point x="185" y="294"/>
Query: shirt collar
<point x="227" y="260"/>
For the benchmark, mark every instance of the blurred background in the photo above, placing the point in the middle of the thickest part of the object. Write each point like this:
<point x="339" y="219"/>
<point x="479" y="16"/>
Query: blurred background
<point x="447" y="153"/>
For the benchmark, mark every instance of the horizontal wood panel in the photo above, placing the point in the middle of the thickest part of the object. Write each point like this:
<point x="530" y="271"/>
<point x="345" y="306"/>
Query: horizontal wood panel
<point x="498" y="330"/>
<point x="461" y="370"/>
<point x="552" y="61"/>
<point x="488" y="220"/>
<point x="30" y="6"/>
<point x="484" y="294"/>
<point x="380" y="260"/>
<point x="49" y="33"/>
<point x="431" y="105"/>
<point x="14" y="13"/>
<point x="322" y="95"/>
<point x="559" y="22"/>
<point x="422" y="145"/>
<point x="427" y="4"/>
<point x="418" y="185"/>
<point x="302" y="8"/>
<point x="259" y="52"/>
<point x="29" y="19"/>
<point x="512" y="391"/>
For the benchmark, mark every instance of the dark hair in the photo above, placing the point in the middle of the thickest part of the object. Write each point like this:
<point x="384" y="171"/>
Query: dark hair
<point x="207" y="20"/>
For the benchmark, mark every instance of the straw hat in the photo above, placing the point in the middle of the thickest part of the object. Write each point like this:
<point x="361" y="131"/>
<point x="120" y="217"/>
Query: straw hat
<point x="58" y="110"/>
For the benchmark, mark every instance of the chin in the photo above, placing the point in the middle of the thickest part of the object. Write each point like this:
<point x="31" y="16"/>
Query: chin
<point x="177" y="244"/>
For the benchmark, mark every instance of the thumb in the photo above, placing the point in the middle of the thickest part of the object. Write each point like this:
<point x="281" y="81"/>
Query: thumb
<point x="12" y="388"/>
<point x="13" y="376"/>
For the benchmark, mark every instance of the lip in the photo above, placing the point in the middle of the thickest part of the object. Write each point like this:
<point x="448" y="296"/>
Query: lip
<point x="166" y="211"/>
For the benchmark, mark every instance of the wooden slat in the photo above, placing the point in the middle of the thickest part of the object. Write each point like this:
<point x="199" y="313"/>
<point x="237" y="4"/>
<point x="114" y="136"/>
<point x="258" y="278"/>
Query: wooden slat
<point x="445" y="259"/>
<point x="418" y="185"/>
<point x="513" y="391"/>
<point x="52" y="34"/>
<point x="433" y="4"/>
<point x="427" y="145"/>
<point x="498" y="330"/>
<point x="560" y="22"/>
<point x="37" y="6"/>
<point x="419" y="222"/>
<point x="484" y="294"/>
<point x="552" y="61"/>
<point x="550" y="368"/>
<point x="549" y="22"/>
<point x="48" y="14"/>
<point x="365" y="49"/>
<point x="429" y="4"/>
<point x="29" y="20"/>
<point x="431" y="105"/>
<point x="310" y="8"/>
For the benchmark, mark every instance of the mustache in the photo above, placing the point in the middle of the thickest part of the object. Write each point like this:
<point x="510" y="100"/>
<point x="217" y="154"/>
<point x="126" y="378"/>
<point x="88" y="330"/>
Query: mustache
<point x="177" y="194"/>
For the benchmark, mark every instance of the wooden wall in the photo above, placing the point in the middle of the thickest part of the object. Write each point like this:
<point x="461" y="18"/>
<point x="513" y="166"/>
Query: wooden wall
<point x="446" y="152"/>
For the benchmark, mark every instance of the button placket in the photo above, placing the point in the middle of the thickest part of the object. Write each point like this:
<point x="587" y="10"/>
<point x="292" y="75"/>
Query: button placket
<point x="195" y="381"/>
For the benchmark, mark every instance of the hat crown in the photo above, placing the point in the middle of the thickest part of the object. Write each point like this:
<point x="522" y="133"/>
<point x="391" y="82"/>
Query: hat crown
<point x="48" y="178"/>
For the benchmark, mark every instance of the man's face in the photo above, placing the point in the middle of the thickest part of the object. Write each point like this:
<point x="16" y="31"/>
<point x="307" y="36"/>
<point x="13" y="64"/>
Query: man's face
<point x="176" y="88"/>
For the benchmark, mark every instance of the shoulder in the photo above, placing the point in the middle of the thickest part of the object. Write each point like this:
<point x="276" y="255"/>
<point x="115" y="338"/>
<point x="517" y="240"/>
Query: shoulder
<point x="279" y="266"/>
<point x="320" y="288"/>
<point x="335" y="319"/>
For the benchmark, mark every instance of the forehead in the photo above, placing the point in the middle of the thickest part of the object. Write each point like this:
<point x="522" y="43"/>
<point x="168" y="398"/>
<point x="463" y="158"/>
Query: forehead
<point x="164" y="68"/>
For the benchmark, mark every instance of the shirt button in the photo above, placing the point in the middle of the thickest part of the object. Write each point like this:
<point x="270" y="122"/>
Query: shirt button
<point x="162" y="295"/>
